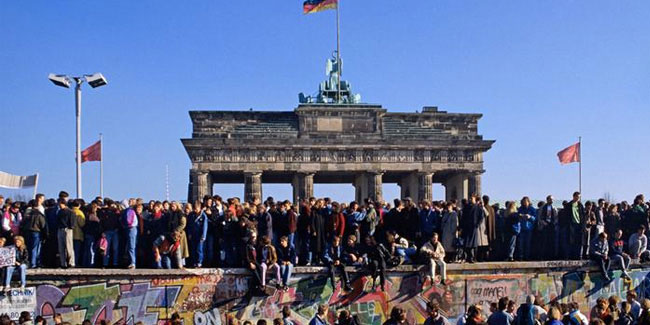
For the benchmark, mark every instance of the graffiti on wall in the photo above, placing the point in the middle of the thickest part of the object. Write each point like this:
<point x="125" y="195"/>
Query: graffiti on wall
<point x="211" y="299"/>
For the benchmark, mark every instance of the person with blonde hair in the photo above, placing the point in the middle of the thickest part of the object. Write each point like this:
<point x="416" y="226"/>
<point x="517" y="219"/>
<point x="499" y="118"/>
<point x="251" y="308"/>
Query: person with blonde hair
<point x="513" y="229"/>
<point x="22" y="259"/>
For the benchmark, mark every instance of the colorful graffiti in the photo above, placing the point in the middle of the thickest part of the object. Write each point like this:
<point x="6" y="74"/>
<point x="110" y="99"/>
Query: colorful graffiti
<point x="212" y="298"/>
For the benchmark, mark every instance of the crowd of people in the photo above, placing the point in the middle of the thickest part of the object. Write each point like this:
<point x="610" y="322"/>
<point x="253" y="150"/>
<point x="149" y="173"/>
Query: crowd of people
<point x="534" y="311"/>
<point x="274" y="236"/>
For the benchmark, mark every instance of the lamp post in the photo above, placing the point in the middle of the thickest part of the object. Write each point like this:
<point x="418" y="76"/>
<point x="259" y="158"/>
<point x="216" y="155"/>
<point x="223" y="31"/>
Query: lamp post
<point x="94" y="80"/>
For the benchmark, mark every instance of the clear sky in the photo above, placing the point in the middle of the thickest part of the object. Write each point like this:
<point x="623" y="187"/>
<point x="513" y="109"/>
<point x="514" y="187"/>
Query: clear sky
<point x="541" y="72"/>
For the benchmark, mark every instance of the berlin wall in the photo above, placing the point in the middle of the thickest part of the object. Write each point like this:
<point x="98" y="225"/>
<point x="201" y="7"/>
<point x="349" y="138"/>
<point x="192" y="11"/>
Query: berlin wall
<point x="211" y="296"/>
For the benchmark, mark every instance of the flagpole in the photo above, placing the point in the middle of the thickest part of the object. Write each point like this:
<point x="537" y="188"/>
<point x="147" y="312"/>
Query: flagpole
<point x="338" y="53"/>
<point x="101" y="165"/>
<point x="580" y="165"/>
<point x="35" y="186"/>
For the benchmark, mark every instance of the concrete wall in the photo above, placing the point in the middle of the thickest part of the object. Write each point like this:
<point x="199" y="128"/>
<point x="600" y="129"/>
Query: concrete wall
<point x="210" y="296"/>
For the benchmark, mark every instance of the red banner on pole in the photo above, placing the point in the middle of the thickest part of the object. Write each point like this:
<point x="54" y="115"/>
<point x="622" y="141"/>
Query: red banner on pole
<point x="92" y="153"/>
<point x="570" y="154"/>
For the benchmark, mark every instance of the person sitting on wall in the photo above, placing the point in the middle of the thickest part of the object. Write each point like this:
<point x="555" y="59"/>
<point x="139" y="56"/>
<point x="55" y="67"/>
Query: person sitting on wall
<point x="351" y="254"/>
<point x="434" y="255"/>
<point x="618" y="255"/>
<point x="334" y="259"/>
<point x="252" y="263"/>
<point x="638" y="245"/>
<point x="269" y="260"/>
<point x="22" y="260"/>
<point x="400" y="248"/>
<point x="376" y="255"/>
<point x="166" y="252"/>
<point x="286" y="258"/>
<point x="600" y="254"/>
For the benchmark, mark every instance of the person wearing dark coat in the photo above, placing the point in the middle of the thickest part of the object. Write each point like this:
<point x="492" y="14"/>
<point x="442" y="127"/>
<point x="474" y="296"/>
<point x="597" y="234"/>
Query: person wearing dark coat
<point x="252" y="263"/>
<point x="50" y="246"/>
<point x="303" y="228"/>
<point x="318" y="232"/>
<point x="410" y="222"/>
<point x="472" y="216"/>
<point x="577" y="221"/>
<point x="286" y="258"/>
<point x="547" y="229"/>
<point x="393" y="218"/>
<point x="34" y="227"/>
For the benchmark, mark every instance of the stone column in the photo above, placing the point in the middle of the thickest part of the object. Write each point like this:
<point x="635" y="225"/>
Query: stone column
<point x="425" y="186"/>
<point x="475" y="184"/>
<point x="361" y="187"/>
<point x="200" y="185"/>
<point x="303" y="186"/>
<point x="457" y="187"/>
<point x="191" y="186"/>
<point x="252" y="186"/>
<point x="375" y="186"/>
<point x="409" y="187"/>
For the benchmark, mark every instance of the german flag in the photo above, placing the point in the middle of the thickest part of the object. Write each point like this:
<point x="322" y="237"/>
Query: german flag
<point x="312" y="6"/>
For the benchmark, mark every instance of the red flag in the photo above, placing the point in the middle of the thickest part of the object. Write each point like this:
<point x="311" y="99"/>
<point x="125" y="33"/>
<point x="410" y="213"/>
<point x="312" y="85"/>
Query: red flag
<point x="92" y="153"/>
<point x="570" y="154"/>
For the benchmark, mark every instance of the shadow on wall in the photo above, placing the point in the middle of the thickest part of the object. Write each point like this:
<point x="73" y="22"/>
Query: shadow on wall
<point x="213" y="298"/>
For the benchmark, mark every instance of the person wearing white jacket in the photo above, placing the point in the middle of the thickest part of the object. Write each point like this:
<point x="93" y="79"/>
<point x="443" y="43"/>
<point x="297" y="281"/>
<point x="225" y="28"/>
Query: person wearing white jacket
<point x="638" y="245"/>
<point x="434" y="253"/>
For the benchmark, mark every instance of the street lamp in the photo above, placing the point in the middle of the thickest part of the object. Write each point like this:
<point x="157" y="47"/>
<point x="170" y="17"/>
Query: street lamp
<point x="94" y="80"/>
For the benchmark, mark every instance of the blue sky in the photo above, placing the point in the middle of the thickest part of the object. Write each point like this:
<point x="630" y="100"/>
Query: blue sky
<point x="541" y="72"/>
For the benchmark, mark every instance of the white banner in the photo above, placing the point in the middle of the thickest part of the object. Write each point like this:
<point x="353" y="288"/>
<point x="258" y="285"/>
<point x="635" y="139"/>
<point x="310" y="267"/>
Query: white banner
<point x="14" y="181"/>
<point x="7" y="256"/>
<point x="17" y="301"/>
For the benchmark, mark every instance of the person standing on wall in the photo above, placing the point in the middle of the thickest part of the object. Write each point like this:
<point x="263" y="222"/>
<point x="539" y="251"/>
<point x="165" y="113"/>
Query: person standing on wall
<point x="66" y="222"/>
<point x="35" y="229"/>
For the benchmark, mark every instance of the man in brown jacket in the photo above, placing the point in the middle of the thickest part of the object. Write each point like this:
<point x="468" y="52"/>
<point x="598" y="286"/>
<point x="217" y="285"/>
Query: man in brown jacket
<point x="269" y="259"/>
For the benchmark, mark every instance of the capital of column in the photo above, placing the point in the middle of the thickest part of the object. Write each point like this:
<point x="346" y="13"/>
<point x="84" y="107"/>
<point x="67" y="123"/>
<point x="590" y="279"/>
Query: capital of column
<point x="253" y="174"/>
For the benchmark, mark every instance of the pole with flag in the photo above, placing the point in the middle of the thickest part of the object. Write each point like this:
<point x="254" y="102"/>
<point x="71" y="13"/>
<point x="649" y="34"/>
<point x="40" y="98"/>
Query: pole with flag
<point x="580" y="164"/>
<point x="312" y="6"/>
<point x="571" y="154"/>
<point x="101" y="166"/>
<point x="94" y="153"/>
<point x="338" y="54"/>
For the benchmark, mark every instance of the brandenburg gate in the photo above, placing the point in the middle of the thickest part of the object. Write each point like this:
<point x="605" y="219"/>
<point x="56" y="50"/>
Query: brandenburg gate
<point x="325" y="140"/>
